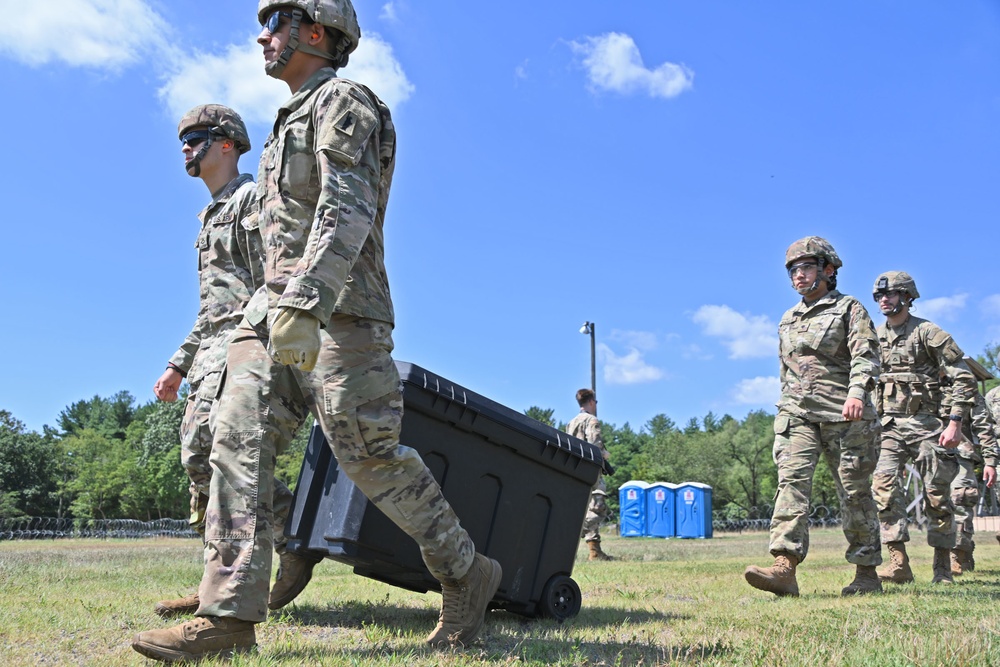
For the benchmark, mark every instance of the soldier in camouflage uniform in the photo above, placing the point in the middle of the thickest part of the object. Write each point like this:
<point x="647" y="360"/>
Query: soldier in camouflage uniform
<point x="829" y="364"/>
<point x="978" y="447"/>
<point x="230" y="269"/>
<point x="586" y="427"/>
<point x="916" y="354"/>
<point x="318" y="337"/>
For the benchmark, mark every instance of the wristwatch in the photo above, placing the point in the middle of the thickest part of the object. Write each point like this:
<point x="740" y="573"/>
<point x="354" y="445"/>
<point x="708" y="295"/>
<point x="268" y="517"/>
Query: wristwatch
<point x="955" y="418"/>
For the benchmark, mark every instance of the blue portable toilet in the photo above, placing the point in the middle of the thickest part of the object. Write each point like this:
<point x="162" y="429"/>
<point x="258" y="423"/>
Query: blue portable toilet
<point x="632" y="509"/>
<point x="661" y="503"/>
<point x="694" y="510"/>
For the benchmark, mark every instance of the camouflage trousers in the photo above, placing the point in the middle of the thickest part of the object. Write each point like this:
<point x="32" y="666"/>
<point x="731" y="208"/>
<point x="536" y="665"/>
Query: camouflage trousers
<point x="597" y="512"/>
<point x="914" y="438"/>
<point x="965" y="497"/>
<point x="354" y="393"/>
<point x="851" y="450"/>
<point x="196" y="445"/>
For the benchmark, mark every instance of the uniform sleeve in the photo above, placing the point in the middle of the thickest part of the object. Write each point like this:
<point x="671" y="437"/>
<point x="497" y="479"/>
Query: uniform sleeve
<point x="594" y="435"/>
<point x="249" y="240"/>
<point x="984" y="428"/>
<point x="348" y="201"/>
<point x="865" y="353"/>
<point x="993" y="403"/>
<point x="950" y="358"/>
<point x="184" y="356"/>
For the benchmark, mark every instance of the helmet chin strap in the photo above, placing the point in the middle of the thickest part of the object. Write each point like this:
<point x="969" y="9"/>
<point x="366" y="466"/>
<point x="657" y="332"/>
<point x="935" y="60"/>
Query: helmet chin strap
<point x="193" y="166"/>
<point x="820" y="264"/>
<point x="274" y="69"/>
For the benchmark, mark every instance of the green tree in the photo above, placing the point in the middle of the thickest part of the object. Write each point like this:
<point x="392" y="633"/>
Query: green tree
<point x="28" y="485"/>
<point x="109" y="417"/>
<point x="100" y="471"/>
<point x="542" y="415"/>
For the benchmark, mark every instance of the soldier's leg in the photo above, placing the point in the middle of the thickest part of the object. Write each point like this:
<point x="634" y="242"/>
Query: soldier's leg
<point x="796" y="452"/>
<point x="252" y="422"/>
<point x="196" y="445"/>
<point x="965" y="497"/>
<point x="887" y="486"/>
<point x="852" y="450"/>
<point x="938" y="468"/>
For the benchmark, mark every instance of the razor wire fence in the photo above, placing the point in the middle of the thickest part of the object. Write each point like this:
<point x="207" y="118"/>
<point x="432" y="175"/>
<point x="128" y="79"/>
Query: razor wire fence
<point x="50" y="528"/>
<point x="759" y="518"/>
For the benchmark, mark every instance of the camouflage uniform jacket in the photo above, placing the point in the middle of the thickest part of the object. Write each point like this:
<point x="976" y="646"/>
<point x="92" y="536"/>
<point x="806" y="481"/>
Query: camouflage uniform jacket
<point x="915" y="356"/>
<point x="993" y="403"/>
<point x="587" y="427"/>
<point x="828" y="353"/>
<point x="230" y="269"/>
<point x="323" y="186"/>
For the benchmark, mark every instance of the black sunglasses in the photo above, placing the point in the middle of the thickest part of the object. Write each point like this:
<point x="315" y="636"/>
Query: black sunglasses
<point x="196" y="138"/>
<point x="273" y="21"/>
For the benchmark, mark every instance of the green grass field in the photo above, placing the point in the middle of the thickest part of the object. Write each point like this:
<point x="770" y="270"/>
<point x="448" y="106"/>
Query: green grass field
<point x="663" y="602"/>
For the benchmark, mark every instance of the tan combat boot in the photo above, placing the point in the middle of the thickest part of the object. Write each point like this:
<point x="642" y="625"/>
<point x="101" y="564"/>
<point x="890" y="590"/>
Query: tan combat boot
<point x="956" y="563"/>
<point x="170" y="608"/>
<point x="463" y="603"/>
<point x="778" y="579"/>
<point x="897" y="571"/>
<point x="595" y="551"/>
<point x="200" y="638"/>
<point x="865" y="581"/>
<point x="942" y="566"/>
<point x="294" y="573"/>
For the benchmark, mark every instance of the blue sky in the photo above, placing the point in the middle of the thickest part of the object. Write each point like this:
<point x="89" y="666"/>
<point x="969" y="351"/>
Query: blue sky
<point x="642" y="165"/>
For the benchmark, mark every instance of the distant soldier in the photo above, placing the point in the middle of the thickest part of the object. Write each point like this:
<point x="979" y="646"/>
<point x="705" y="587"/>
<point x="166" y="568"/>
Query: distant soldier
<point x="978" y="447"/>
<point x="916" y="354"/>
<point x="318" y="338"/>
<point x="829" y="362"/>
<point x="992" y="400"/>
<point x="586" y="427"/>
<point x="230" y="269"/>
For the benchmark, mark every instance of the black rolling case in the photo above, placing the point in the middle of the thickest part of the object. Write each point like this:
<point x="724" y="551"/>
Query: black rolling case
<point x="520" y="488"/>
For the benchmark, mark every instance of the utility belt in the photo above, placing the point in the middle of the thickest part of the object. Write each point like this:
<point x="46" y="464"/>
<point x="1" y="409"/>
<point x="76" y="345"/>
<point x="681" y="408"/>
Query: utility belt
<point x="908" y="394"/>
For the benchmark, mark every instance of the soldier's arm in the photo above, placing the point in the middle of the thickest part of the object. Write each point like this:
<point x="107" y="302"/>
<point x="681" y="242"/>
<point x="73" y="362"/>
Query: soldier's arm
<point x="862" y="343"/>
<point x="946" y="353"/>
<point x="347" y="203"/>
<point x="248" y="238"/>
<point x="984" y="428"/>
<point x="595" y="437"/>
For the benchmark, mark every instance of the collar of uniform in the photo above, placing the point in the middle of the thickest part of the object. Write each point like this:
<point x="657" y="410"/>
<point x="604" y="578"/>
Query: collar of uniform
<point x="225" y="194"/>
<point x="298" y="99"/>
<point x="827" y="298"/>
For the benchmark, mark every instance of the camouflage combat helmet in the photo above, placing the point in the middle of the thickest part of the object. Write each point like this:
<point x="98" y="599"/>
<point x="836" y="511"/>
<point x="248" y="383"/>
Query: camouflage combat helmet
<point x="812" y="246"/>
<point x="336" y="14"/>
<point x="220" y="120"/>
<point x="898" y="281"/>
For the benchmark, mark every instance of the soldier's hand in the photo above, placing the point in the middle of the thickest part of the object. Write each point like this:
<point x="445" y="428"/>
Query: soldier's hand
<point x="167" y="386"/>
<point x="295" y="338"/>
<point x="853" y="409"/>
<point x="989" y="476"/>
<point x="952" y="436"/>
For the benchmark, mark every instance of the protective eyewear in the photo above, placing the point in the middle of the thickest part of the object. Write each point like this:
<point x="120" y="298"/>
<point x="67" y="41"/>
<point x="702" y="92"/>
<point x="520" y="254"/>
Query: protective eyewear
<point x="804" y="267"/>
<point x="196" y="138"/>
<point x="273" y="22"/>
<point x="888" y="294"/>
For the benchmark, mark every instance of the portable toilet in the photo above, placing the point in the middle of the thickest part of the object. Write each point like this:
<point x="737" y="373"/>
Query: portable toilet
<point x="694" y="510"/>
<point x="661" y="500"/>
<point x="632" y="509"/>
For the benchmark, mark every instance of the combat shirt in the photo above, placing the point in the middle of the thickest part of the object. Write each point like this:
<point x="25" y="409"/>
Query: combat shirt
<point x="322" y="190"/>
<point x="992" y="399"/>
<point x="587" y="427"/>
<point x="828" y="353"/>
<point x="915" y="356"/>
<point x="230" y="269"/>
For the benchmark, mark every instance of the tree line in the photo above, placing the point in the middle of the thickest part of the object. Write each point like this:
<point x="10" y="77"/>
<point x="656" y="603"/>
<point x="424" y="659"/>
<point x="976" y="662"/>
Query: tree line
<point x="111" y="458"/>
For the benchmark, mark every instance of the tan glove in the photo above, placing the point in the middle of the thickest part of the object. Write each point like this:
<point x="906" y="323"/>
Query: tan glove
<point x="295" y="338"/>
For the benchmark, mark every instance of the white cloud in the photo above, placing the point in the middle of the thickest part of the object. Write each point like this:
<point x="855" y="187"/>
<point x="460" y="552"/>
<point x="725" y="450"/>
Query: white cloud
<point x="942" y="308"/>
<point x="388" y="12"/>
<point x="694" y="351"/>
<point x="521" y="71"/>
<point x="628" y="369"/>
<point x="613" y="62"/>
<point x="991" y="306"/>
<point x="105" y="34"/>
<point x="746" y="336"/>
<point x="758" y="391"/>
<point x="642" y="340"/>
<point x="236" y="78"/>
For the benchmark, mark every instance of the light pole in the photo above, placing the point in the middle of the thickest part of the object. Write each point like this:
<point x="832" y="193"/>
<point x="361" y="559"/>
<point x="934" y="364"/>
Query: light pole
<point x="588" y="328"/>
